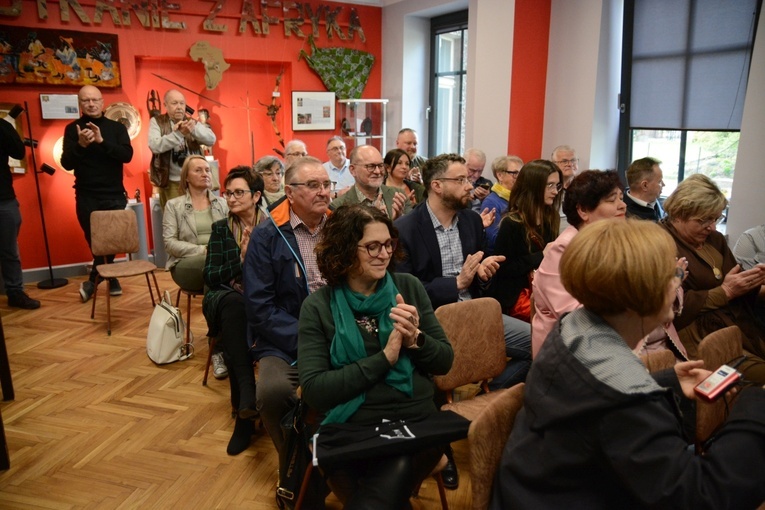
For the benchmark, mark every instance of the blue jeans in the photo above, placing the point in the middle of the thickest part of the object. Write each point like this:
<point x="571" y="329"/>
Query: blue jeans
<point x="518" y="348"/>
<point x="10" y="263"/>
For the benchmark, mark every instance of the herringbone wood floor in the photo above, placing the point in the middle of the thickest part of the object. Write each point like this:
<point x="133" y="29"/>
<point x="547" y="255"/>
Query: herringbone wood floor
<point x="96" y="424"/>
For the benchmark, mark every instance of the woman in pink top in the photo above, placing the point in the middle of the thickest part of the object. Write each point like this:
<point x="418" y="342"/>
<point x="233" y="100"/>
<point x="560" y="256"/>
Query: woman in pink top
<point x="592" y="195"/>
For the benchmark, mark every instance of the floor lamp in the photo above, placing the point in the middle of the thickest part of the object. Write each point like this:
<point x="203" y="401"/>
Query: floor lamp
<point x="52" y="283"/>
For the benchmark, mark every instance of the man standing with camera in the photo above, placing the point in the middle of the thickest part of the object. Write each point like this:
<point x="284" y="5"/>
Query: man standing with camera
<point x="96" y="148"/>
<point x="173" y="136"/>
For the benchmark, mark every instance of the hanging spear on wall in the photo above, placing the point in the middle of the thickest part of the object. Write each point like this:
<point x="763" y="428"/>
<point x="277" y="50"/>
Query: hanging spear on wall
<point x="271" y="111"/>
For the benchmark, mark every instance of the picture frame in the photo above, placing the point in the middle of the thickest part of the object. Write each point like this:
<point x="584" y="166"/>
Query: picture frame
<point x="313" y="111"/>
<point x="18" y="166"/>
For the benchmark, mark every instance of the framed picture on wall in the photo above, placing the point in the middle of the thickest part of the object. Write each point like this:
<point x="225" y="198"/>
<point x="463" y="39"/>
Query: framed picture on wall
<point x="313" y="111"/>
<point x="17" y="166"/>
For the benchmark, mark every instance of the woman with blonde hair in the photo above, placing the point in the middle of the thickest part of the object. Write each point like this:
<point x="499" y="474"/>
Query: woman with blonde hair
<point x="597" y="430"/>
<point x="718" y="293"/>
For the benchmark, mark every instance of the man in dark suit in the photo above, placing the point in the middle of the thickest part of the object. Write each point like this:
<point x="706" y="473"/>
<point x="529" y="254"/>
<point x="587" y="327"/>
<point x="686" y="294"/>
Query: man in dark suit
<point x="645" y="181"/>
<point x="444" y="241"/>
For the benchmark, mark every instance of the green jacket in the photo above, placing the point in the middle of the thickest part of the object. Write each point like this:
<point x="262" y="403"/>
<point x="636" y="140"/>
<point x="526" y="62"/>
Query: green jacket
<point x="325" y="387"/>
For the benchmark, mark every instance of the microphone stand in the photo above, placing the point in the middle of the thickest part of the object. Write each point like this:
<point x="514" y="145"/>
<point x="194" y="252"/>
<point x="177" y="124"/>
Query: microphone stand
<point x="52" y="283"/>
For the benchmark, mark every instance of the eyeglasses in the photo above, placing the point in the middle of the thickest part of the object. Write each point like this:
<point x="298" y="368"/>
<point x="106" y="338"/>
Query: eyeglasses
<point x="336" y="149"/>
<point x="374" y="249"/>
<point x="461" y="180"/>
<point x="238" y="193"/>
<point x="373" y="166"/>
<point x="707" y="222"/>
<point x="270" y="173"/>
<point x="512" y="173"/>
<point x="554" y="185"/>
<point x="566" y="162"/>
<point x="475" y="170"/>
<point x="314" y="186"/>
<point x="298" y="154"/>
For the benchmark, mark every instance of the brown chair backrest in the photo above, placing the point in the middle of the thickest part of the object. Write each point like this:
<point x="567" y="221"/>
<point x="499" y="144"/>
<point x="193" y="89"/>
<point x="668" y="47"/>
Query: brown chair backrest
<point x="715" y="349"/>
<point x="487" y="436"/>
<point x="113" y="232"/>
<point x="656" y="361"/>
<point x="476" y="332"/>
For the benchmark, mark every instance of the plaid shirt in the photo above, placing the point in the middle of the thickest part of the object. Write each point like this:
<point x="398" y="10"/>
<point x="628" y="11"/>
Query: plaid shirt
<point x="450" y="246"/>
<point x="307" y="241"/>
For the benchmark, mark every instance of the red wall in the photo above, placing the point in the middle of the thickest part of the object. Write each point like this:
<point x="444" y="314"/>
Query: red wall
<point x="527" y="94"/>
<point x="255" y="62"/>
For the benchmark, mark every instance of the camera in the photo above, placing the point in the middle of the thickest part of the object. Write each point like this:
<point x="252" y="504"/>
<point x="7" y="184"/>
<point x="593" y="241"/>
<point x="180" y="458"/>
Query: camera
<point x="720" y="381"/>
<point x="179" y="157"/>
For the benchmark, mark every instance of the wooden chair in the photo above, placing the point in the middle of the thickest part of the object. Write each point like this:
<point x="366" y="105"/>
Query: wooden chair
<point x="488" y="435"/>
<point x="718" y="348"/>
<point x="476" y="332"/>
<point x="117" y="232"/>
<point x="658" y="360"/>
<point x="189" y="294"/>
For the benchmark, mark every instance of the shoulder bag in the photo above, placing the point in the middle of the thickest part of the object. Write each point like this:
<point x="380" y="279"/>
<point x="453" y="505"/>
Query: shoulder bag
<point x="164" y="341"/>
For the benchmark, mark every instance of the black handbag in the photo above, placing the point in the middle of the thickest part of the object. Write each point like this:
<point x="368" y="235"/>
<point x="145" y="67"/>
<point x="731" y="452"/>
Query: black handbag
<point x="294" y="459"/>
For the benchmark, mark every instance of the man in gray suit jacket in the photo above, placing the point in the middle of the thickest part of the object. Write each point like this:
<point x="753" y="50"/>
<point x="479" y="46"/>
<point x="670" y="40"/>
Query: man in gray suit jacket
<point x="368" y="170"/>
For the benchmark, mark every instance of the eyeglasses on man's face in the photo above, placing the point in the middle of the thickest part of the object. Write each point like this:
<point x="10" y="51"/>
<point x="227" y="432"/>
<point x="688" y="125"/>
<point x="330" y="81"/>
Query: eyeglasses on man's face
<point x="567" y="162"/>
<point x="238" y="193"/>
<point x="557" y="186"/>
<point x="314" y="186"/>
<point x="464" y="181"/>
<point x="511" y="173"/>
<point x="371" y="167"/>
<point x="298" y="154"/>
<point x="339" y="148"/>
<point x="374" y="249"/>
<point x="708" y="222"/>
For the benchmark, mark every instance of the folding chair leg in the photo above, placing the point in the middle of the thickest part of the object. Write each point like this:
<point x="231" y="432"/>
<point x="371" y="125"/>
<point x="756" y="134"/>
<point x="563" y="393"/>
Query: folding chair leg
<point x="108" y="312"/>
<point x="95" y="295"/>
<point x="304" y="486"/>
<point x="188" y="317"/>
<point x="178" y="298"/>
<point x="151" y="291"/>
<point x="156" y="286"/>
<point x="441" y="490"/>
<point x="210" y="349"/>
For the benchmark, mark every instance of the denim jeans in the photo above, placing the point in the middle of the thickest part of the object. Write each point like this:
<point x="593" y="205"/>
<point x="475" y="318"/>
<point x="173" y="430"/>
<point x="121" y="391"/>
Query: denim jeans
<point x="518" y="348"/>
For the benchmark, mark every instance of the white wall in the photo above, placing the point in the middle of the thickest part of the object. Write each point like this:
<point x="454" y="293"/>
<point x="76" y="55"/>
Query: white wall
<point x="490" y="51"/>
<point x="748" y="191"/>
<point x="583" y="80"/>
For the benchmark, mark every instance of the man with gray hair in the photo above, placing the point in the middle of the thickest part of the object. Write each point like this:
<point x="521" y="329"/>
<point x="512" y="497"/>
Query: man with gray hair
<point x="645" y="181"/>
<point x="294" y="150"/>
<point x="565" y="157"/>
<point x="337" y="166"/>
<point x="173" y="136"/>
<point x="475" y="159"/>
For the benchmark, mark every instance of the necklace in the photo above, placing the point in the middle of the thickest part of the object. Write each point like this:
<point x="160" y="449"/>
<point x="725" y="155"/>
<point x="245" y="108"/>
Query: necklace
<point x="711" y="261"/>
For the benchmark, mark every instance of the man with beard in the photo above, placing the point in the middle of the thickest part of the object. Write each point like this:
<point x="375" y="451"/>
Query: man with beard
<point x="445" y="225"/>
<point x="96" y="148"/>
<point x="368" y="171"/>
<point x="172" y="137"/>
<point x="406" y="140"/>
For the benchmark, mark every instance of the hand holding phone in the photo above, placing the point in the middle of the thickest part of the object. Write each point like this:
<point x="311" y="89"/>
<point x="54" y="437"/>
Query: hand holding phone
<point x="720" y="381"/>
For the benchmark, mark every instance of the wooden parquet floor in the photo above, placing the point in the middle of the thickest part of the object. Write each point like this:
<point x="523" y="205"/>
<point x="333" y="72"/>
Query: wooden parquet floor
<point x="95" y="424"/>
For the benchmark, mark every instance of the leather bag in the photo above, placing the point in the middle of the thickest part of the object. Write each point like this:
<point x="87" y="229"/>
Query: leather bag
<point x="165" y="339"/>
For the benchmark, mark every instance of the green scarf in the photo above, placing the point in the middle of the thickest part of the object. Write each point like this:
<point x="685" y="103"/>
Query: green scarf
<point x="348" y="345"/>
<point x="502" y="191"/>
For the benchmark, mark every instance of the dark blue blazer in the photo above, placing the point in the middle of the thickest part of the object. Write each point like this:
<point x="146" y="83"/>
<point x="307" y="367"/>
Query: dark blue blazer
<point x="423" y="256"/>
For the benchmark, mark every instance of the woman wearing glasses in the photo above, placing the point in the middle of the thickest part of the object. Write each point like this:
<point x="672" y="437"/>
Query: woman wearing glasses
<point x="597" y="431"/>
<point x="718" y="293"/>
<point x="187" y="223"/>
<point x="367" y="344"/>
<point x="223" y="304"/>
<point x="532" y="221"/>
<point x="272" y="170"/>
<point x="505" y="170"/>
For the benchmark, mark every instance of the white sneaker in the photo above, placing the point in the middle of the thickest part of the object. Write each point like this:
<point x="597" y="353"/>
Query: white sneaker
<point x="219" y="366"/>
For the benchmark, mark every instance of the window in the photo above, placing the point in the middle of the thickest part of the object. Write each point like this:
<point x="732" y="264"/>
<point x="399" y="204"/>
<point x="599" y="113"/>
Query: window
<point x="685" y="66"/>
<point x="448" y="83"/>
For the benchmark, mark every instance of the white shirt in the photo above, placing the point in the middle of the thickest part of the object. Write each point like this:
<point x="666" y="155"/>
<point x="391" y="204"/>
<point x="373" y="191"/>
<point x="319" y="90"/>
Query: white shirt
<point x="342" y="176"/>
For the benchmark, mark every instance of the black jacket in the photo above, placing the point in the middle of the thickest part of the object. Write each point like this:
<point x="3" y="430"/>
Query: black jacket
<point x="596" y="432"/>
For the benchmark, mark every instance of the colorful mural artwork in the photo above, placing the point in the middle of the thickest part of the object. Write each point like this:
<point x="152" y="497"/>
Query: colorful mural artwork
<point x="34" y="56"/>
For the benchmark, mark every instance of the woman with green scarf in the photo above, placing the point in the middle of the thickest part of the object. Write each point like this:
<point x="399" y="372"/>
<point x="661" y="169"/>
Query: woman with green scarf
<point x="367" y="345"/>
<point x="505" y="170"/>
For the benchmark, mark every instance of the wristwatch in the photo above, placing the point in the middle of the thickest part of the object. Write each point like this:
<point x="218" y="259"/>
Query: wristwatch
<point x="419" y="340"/>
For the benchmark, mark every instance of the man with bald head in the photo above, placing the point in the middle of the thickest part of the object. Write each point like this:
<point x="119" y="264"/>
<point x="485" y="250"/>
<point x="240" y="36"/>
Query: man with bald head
<point x="407" y="142"/>
<point x="368" y="171"/>
<point x="96" y="148"/>
<point x="173" y="136"/>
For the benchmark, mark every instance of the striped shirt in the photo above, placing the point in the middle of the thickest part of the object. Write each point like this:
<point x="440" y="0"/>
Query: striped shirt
<point x="307" y="240"/>
<point x="450" y="246"/>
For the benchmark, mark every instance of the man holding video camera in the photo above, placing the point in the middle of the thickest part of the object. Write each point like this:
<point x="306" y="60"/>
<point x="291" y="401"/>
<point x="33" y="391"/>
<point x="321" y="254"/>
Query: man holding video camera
<point x="173" y="136"/>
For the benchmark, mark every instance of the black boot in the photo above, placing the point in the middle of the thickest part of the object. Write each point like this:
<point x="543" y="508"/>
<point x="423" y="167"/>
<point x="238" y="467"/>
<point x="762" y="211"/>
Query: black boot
<point x="449" y="474"/>
<point x="242" y="436"/>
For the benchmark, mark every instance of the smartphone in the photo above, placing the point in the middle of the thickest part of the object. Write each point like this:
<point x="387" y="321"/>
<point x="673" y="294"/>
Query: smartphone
<point x="720" y="381"/>
<point x="189" y="110"/>
<point x="485" y="185"/>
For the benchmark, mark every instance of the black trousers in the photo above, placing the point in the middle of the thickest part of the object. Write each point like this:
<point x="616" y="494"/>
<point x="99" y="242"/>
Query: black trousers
<point x="85" y="205"/>
<point x="232" y="323"/>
